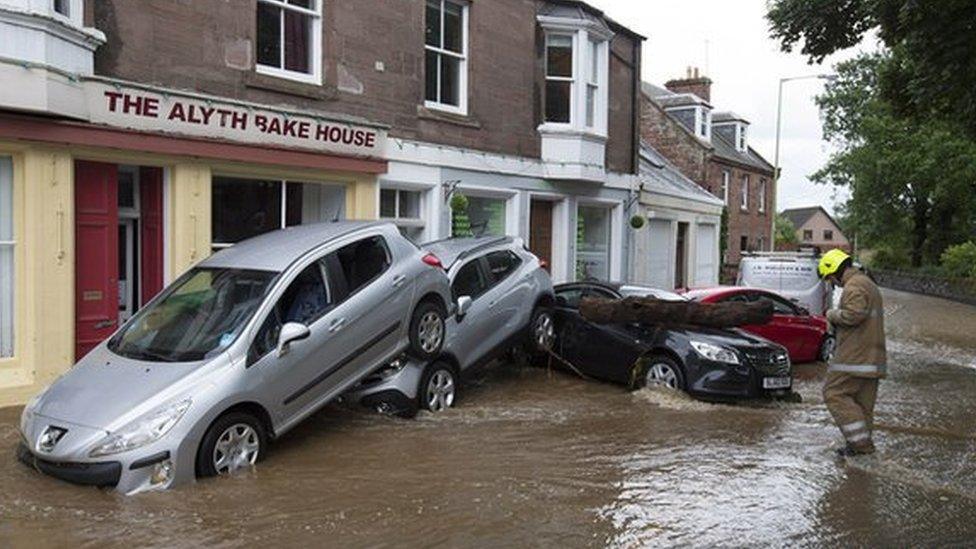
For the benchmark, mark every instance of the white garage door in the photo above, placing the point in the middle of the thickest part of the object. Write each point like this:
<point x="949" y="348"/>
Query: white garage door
<point x="659" y="254"/>
<point x="706" y="265"/>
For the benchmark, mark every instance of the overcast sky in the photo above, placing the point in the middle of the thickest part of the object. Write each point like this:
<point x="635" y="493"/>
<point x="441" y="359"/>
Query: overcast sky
<point x="745" y="65"/>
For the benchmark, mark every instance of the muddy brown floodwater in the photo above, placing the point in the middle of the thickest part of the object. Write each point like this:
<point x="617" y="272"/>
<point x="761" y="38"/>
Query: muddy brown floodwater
<point x="532" y="457"/>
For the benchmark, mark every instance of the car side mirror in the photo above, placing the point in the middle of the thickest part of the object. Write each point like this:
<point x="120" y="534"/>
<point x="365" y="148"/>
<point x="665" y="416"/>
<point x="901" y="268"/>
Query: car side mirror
<point x="463" y="306"/>
<point x="290" y="333"/>
<point x="562" y="301"/>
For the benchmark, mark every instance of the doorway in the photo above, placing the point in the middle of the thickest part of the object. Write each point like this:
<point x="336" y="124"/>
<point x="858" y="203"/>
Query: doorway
<point x="681" y="256"/>
<point x="118" y="246"/>
<point x="540" y="230"/>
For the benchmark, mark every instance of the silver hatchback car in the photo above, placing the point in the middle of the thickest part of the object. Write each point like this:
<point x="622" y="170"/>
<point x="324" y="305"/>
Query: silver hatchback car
<point x="235" y="353"/>
<point x="503" y="298"/>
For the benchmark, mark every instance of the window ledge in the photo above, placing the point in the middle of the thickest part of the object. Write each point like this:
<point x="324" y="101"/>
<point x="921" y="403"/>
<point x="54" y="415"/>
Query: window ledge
<point x="285" y="86"/>
<point x="567" y="130"/>
<point x="426" y="113"/>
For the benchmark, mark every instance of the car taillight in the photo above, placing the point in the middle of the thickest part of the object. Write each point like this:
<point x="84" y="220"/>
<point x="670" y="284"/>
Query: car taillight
<point x="433" y="261"/>
<point x="543" y="264"/>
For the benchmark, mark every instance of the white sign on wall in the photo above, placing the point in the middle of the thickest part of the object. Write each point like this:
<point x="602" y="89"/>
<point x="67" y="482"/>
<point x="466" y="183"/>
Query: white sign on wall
<point x="179" y="113"/>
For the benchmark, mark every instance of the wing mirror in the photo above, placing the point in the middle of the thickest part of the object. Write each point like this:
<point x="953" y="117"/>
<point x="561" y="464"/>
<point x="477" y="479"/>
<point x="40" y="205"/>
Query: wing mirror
<point x="291" y="332"/>
<point x="463" y="306"/>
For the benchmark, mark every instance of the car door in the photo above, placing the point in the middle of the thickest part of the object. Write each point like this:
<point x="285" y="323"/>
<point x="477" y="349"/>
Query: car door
<point x="607" y="351"/>
<point x="568" y="319"/>
<point x="782" y="328"/>
<point x="796" y="325"/>
<point x="510" y="294"/>
<point x="470" y="333"/>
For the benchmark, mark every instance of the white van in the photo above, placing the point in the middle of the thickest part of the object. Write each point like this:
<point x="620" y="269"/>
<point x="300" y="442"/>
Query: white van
<point x="790" y="274"/>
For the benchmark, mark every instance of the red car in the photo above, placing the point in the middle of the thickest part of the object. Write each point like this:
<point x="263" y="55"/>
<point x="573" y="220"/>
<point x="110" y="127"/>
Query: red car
<point x="807" y="337"/>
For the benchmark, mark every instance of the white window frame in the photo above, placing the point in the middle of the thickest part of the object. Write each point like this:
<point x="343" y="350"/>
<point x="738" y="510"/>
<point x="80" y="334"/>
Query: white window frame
<point x="315" y="77"/>
<point x="462" y="106"/>
<point x="762" y="196"/>
<point x="741" y="143"/>
<point x="400" y="220"/>
<point x="580" y="83"/>
<point x="744" y="197"/>
<point x="703" y="123"/>
<point x="726" y="182"/>
<point x="11" y="244"/>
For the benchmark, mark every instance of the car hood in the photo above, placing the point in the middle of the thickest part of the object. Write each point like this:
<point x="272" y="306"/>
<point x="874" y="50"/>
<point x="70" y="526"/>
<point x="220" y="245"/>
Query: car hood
<point x="732" y="337"/>
<point x="106" y="391"/>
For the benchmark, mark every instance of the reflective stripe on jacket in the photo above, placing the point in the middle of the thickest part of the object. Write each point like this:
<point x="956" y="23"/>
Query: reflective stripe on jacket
<point x="859" y="323"/>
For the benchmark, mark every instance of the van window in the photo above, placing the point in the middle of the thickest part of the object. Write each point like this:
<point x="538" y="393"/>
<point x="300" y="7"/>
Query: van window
<point x="305" y="301"/>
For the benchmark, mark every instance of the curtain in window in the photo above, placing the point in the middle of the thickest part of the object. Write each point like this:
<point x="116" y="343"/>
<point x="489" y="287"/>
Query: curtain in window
<point x="6" y="258"/>
<point x="297" y="39"/>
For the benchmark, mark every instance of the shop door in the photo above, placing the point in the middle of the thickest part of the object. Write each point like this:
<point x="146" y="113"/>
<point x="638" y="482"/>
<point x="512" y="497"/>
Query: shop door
<point x="540" y="230"/>
<point x="151" y="229"/>
<point x="96" y="249"/>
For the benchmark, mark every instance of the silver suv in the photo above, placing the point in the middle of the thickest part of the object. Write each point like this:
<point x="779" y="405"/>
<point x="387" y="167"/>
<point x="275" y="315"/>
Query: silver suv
<point x="503" y="298"/>
<point x="236" y="352"/>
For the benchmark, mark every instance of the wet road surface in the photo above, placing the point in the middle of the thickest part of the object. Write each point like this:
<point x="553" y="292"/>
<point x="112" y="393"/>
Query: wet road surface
<point x="532" y="457"/>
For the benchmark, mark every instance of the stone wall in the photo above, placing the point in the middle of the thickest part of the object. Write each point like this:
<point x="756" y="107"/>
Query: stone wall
<point x="956" y="289"/>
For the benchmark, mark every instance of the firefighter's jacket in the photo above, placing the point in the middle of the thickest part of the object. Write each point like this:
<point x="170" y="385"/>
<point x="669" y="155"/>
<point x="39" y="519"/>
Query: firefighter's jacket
<point x="859" y="323"/>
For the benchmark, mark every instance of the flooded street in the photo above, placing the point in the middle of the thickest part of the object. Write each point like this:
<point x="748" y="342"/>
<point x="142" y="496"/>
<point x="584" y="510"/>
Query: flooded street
<point x="532" y="457"/>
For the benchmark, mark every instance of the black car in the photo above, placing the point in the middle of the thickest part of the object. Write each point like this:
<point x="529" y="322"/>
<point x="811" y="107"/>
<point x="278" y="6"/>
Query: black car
<point x="704" y="362"/>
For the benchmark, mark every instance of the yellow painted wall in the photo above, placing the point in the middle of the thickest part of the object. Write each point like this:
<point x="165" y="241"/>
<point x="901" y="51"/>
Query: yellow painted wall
<point x="44" y="271"/>
<point x="188" y="217"/>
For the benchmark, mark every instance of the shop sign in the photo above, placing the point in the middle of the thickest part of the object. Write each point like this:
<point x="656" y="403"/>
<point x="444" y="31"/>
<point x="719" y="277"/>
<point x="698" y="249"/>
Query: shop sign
<point x="200" y="116"/>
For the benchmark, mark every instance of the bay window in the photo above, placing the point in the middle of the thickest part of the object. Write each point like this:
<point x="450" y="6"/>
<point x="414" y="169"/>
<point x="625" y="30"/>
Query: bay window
<point x="446" y="56"/>
<point x="559" y="78"/>
<point x="593" y="243"/>
<point x="289" y="39"/>
<point x="7" y="244"/>
<point x="576" y="75"/>
<point x="244" y="208"/>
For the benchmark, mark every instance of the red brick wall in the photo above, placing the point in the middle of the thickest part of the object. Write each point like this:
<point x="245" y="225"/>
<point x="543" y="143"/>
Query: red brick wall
<point x="208" y="46"/>
<point x="750" y="223"/>
<point x="671" y="139"/>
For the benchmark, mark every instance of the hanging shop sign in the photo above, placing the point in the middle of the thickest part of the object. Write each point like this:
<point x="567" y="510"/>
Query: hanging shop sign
<point x="181" y="113"/>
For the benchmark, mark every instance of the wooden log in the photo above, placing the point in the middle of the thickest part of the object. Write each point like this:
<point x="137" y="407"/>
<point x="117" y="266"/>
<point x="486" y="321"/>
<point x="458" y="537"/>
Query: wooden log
<point x="648" y="310"/>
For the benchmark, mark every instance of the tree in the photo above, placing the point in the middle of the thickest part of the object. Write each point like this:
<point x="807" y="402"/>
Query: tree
<point x="932" y="46"/>
<point x="785" y="233"/>
<point x="911" y="178"/>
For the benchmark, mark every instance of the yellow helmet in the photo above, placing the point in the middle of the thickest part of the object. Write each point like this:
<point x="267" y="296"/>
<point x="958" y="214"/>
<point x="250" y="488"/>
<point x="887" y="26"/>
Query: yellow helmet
<point x="831" y="261"/>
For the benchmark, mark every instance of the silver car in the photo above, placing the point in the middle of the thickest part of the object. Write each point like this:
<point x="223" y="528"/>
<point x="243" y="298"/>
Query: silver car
<point x="503" y="298"/>
<point x="235" y="353"/>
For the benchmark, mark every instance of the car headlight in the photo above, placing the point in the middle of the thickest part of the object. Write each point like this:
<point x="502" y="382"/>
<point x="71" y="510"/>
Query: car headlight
<point x="144" y="430"/>
<point x="716" y="353"/>
<point x="28" y="414"/>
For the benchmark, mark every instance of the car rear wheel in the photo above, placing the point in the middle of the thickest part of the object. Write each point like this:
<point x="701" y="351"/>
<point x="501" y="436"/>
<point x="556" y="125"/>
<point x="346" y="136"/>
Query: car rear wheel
<point x="427" y="331"/>
<point x="662" y="371"/>
<point x="827" y="347"/>
<point x="438" y="388"/>
<point x="235" y="441"/>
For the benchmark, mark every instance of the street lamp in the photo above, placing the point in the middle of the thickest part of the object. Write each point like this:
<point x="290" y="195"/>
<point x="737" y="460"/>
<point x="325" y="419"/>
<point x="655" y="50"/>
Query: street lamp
<point x="779" y="127"/>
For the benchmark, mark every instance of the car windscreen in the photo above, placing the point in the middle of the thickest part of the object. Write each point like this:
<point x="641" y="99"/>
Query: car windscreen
<point x="640" y="291"/>
<point x="197" y="317"/>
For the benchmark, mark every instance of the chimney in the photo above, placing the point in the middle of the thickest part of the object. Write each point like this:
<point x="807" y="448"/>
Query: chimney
<point x="693" y="82"/>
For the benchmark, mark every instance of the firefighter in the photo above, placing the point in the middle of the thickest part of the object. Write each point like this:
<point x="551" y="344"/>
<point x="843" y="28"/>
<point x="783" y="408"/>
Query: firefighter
<point x="860" y="359"/>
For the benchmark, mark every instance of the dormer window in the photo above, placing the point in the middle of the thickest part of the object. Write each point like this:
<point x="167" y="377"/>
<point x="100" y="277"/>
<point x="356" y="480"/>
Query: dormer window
<point x="740" y="137"/>
<point x="62" y="7"/>
<point x="703" y="118"/>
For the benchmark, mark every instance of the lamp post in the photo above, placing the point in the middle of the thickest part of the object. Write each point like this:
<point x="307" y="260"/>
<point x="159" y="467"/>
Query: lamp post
<point x="779" y="128"/>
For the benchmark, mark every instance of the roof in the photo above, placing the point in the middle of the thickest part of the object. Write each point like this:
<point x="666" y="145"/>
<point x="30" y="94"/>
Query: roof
<point x="626" y="289"/>
<point x="575" y="9"/>
<point x="722" y="148"/>
<point x="727" y="116"/>
<point x="799" y="216"/>
<point x="451" y="250"/>
<point x="659" y="175"/>
<point x="276" y="250"/>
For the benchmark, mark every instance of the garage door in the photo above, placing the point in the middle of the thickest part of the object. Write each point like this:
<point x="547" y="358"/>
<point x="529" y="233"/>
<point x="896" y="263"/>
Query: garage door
<point x="659" y="254"/>
<point x="706" y="266"/>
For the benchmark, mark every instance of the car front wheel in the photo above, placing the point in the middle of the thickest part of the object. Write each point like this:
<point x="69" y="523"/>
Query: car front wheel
<point x="438" y="388"/>
<point x="235" y="441"/>
<point x="661" y="371"/>
<point x="427" y="331"/>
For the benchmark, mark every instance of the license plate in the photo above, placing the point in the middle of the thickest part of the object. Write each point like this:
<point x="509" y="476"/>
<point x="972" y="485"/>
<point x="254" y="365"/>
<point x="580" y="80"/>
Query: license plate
<point x="777" y="382"/>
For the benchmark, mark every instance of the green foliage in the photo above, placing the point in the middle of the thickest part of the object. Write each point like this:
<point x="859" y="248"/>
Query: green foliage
<point x="932" y="45"/>
<point x="460" y="224"/>
<point x="912" y="180"/>
<point x="960" y="260"/>
<point x="785" y="231"/>
<point x="890" y="259"/>
<point x="637" y="221"/>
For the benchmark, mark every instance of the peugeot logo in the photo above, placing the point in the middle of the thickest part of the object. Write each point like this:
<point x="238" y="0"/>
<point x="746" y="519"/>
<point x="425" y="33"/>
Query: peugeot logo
<point x="50" y="438"/>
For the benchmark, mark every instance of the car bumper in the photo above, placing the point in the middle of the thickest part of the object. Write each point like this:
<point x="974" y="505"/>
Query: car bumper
<point x="130" y="473"/>
<point x="390" y="392"/>
<point x="714" y="379"/>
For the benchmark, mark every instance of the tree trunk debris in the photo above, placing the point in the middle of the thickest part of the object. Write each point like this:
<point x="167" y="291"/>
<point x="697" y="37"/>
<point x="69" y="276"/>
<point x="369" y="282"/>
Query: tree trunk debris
<point x="648" y="310"/>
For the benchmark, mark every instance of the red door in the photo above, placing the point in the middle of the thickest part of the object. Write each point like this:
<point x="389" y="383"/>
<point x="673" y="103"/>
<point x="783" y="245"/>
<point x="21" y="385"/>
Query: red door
<point x="96" y="254"/>
<point x="151" y="227"/>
